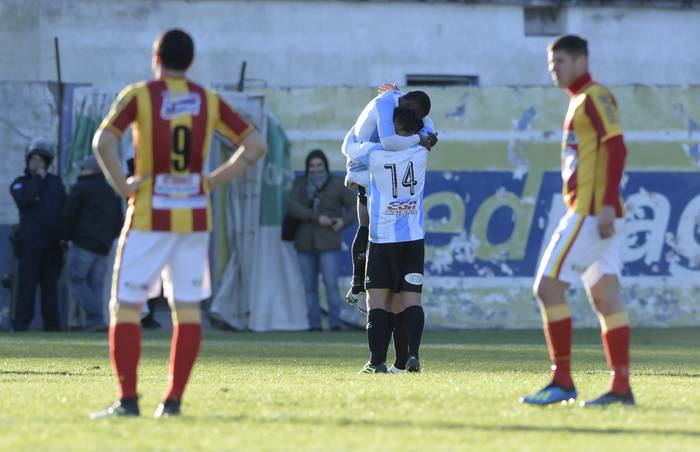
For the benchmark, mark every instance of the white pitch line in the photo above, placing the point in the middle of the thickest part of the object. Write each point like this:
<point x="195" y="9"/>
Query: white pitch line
<point x="532" y="136"/>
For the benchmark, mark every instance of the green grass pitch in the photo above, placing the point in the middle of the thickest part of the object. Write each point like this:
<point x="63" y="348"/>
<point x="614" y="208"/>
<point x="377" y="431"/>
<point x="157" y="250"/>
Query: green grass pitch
<point x="300" y="391"/>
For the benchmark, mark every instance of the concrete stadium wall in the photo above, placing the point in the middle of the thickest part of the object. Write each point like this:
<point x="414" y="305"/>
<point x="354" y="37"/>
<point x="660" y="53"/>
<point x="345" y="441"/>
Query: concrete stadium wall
<point x="27" y="111"/>
<point x="332" y="43"/>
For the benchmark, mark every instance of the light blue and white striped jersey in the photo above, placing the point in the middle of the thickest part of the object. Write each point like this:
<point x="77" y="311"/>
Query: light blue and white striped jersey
<point x="376" y="124"/>
<point x="395" y="192"/>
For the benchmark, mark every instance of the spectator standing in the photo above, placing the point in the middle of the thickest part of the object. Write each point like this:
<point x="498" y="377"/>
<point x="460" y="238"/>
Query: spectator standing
<point x="325" y="207"/>
<point x="92" y="219"/>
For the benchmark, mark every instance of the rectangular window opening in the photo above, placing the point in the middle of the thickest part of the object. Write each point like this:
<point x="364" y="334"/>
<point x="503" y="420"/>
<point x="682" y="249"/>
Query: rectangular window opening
<point x="441" y="80"/>
<point x="544" y="20"/>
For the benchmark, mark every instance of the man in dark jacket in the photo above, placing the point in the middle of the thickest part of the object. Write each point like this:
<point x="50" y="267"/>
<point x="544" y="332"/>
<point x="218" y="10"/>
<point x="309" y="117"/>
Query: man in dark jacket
<point x="39" y="196"/>
<point x="92" y="220"/>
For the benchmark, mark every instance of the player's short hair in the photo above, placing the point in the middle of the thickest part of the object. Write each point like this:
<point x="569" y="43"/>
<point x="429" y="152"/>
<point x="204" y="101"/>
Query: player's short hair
<point x="419" y="98"/>
<point x="407" y="119"/>
<point x="175" y="49"/>
<point x="572" y="44"/>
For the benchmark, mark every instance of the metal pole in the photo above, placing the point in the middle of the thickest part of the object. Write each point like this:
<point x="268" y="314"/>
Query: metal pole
<point x="241" y="78"/>
<point x="59" y="151"/>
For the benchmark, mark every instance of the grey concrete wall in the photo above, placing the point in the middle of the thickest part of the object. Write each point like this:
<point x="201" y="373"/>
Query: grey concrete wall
<point x="330" y="43"/>
<point x="27" y="110"/>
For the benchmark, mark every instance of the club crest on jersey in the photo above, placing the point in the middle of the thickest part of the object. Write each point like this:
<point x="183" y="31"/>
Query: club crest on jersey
<point x="178" y="104"/>
<point x="409" y="207"/>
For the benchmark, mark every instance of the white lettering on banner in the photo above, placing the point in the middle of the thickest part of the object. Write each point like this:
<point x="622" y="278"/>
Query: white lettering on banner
<point x="178" y="104"/>
<point x="648" y="214"/>
<point x="274" y="175"/>
<point x="686" y="241"/>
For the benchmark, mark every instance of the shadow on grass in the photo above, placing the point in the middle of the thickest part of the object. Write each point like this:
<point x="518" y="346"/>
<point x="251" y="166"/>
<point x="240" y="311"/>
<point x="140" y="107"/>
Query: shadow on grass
<point x="451" y="425"/>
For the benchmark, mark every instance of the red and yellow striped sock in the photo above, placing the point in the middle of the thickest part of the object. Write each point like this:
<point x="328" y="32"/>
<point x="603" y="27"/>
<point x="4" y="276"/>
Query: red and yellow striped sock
<point x="125" y="348"/>
<point x="615" y="333"/>
<point x="187" y="337"/>
<point x="558" y="334"/>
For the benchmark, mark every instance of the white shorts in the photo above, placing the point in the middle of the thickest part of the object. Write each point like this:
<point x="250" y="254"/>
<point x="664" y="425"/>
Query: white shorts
<point x="145" y="259"/>
<point x="577" y="251"/>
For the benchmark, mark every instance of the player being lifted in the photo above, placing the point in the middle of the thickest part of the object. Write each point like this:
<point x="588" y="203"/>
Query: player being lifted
<point x="166" y="232"/>
<point x="376" y="124"/>
<point x="395" y="258"/>
<point x="587" y="242"/>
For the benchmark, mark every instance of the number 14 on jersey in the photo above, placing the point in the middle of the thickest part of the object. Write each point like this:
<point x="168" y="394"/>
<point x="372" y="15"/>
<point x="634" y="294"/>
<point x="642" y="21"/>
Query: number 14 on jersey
<point x="409" y="181"/>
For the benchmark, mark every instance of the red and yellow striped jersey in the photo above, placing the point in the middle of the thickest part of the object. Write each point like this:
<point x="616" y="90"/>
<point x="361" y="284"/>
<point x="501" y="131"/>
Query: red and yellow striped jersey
<point x="173" y="121"/>
<point x="591" y="120"/>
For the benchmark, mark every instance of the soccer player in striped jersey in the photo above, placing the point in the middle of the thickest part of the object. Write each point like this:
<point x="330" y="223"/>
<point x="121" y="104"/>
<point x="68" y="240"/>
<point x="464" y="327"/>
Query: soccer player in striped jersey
<point x="587" y="242"/>
<point x="395" y="258"/>
<point x="166" y="232"/>
<point x="376" y="124"/>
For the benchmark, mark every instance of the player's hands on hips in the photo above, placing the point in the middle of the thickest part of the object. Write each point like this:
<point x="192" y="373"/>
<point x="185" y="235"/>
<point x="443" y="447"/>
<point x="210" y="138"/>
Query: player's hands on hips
<point x="351" y="185"/>
<point x="325" y="221"/>
<point x="606" y="221"/>
<point x="338" y="224"/>
<point x="132" y="184"/>
<point x="384" y="87"/>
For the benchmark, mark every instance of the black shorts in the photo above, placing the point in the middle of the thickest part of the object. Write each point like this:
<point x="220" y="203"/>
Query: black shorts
<point x="362" y="195"/>
<point x="396" y="266"/>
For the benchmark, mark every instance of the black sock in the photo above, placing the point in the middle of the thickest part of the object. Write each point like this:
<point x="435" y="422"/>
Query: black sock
<point x="377" y="322"/>
<point x="415" y="319"/>
<point x="389" y="328"/>
<point x="359" y="256"/>
<point x="400" y="340"/>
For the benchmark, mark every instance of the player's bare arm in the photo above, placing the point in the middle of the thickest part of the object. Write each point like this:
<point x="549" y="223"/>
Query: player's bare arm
<point x="426" y="140"/>
<point x="104" y="146"/>
<point x="252" y="148"/>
